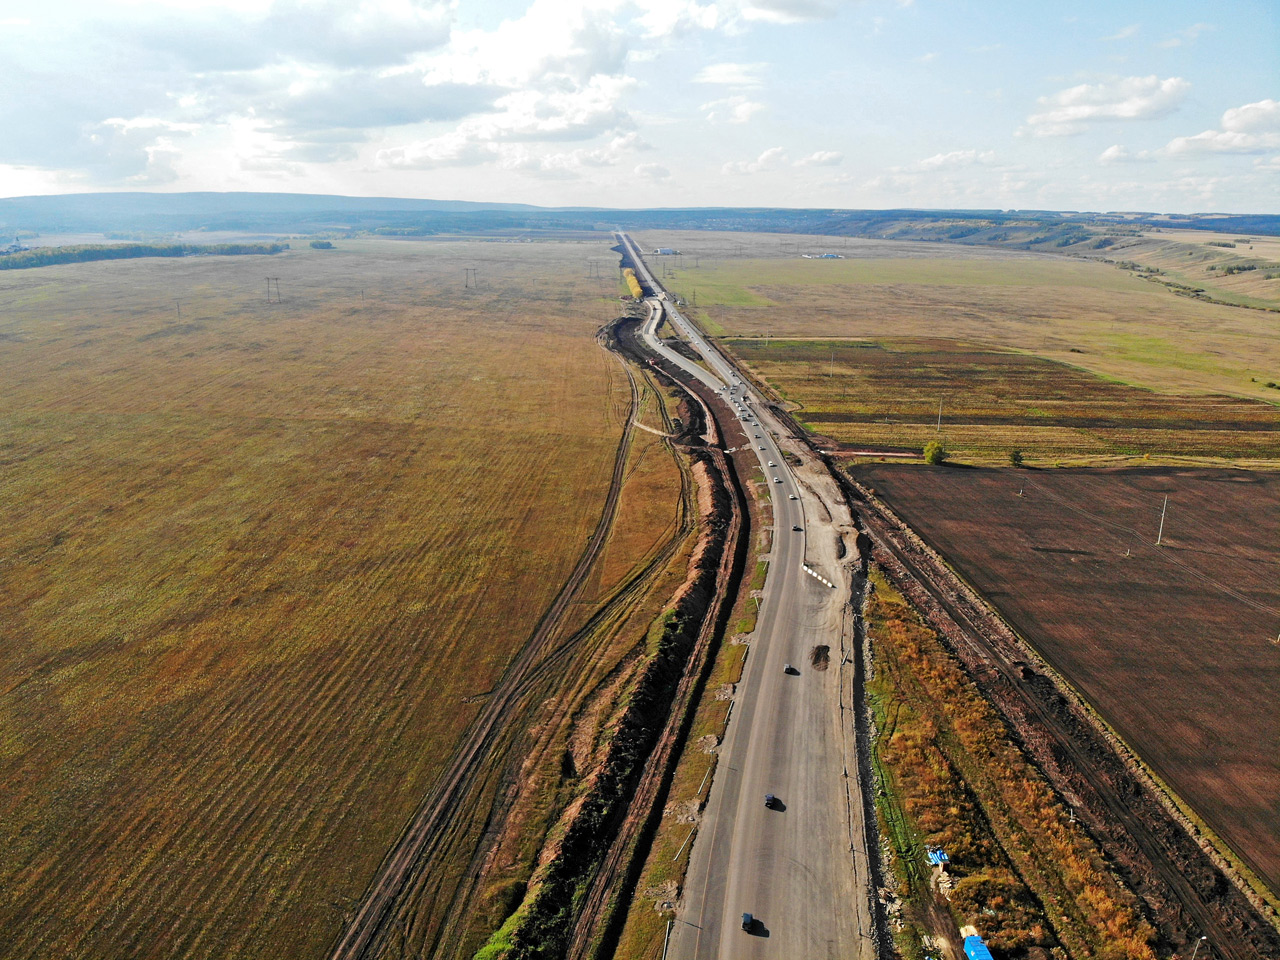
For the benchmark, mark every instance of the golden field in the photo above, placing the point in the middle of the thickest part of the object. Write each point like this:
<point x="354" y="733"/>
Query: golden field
<point x="256" y="560"/>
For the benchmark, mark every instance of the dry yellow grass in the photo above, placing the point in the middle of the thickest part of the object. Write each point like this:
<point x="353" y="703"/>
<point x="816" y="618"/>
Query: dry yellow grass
<point x="252" y="561"/>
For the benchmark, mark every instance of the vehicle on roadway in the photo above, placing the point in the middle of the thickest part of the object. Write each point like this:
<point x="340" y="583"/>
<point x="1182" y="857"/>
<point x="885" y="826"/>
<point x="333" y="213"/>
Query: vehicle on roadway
<point x="748" y="921"/>
<point x="796" y="526"/>
<point x="792" y="497"/>
<point x="776" y="480"/>
<point x="788" y="669"/>
<point x="770" y="800"/>
<point x="772" y="464"/>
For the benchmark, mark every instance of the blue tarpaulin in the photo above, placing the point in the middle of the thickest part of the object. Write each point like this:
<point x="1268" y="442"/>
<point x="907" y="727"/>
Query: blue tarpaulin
<point x="975" y="949"/>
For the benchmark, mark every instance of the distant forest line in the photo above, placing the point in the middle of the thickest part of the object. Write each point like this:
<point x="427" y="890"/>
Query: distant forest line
<point x="317" y="214"/>
<point x="82" y="253"/>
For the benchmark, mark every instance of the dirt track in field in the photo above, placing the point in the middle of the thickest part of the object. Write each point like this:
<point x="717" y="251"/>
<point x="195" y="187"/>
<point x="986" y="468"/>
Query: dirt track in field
<point x="374" y="927"/>
<point x="1183" y="891"/>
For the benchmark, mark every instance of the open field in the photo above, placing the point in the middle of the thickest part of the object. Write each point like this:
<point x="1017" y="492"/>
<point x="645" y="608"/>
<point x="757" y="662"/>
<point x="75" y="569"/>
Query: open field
<point x="1081" y="312"/>
<point x="1174" y="646"/>
<point x="259" y="560"/>
<point x="1212" y="261"/>
<point x="886" y="393"/>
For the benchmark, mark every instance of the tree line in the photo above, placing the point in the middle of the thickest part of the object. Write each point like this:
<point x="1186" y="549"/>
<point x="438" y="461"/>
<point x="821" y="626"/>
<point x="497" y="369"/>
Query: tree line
<point x="82" y="253"/>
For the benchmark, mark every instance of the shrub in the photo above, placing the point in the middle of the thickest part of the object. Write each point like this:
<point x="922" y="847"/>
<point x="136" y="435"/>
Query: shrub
<point x="935" y="452"/>
<point x="1015" y="458"/>
<point x="321" y="245"/>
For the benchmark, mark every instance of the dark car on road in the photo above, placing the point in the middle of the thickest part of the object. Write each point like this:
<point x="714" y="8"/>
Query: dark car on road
<point x="748" y="921"/>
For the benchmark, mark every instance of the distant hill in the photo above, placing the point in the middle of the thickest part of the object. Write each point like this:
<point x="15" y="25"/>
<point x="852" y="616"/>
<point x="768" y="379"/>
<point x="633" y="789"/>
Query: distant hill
<point x="108" y="212"/>
<point x="303" y="213"/>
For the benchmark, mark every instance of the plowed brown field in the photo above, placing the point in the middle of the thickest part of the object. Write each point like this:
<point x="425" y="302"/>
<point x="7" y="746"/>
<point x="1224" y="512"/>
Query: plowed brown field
<point x="1175" y="645"/>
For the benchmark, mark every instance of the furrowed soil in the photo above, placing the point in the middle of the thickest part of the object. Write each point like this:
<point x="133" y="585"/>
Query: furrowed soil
<point x="884" y="394"/>
<point x="261" y="562"/>
<point x="1085" y="313"/>
<point x="1174" y="646"/>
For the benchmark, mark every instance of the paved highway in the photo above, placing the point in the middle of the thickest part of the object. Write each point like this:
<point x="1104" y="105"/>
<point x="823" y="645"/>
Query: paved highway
<point x="794" y="868"/>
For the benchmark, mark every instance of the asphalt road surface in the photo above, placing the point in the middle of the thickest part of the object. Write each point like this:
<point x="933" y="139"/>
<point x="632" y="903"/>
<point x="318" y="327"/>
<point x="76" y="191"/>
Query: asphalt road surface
<point x="799" y="869"/>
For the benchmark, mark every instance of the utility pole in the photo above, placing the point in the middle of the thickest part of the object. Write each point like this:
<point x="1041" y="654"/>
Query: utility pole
<point x="1160" y="535"/>
<point x="178" y="304"/>
<point x="1197" y="949"/>
<point x="276" y="280"/>
<point x="939" y="414"/>
<point x="472" y="277"/>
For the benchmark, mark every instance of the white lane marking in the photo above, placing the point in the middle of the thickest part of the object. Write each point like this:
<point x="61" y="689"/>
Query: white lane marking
<point x="817" y="576"/>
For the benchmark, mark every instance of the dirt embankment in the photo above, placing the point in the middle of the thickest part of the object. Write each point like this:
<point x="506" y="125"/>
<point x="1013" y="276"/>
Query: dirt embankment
<point x="1184" y="893"/>
<point x="575" y="910"/>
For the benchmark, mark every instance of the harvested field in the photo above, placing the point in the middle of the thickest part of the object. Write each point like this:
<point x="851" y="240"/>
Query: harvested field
<point x="886" y="393"/>
<point x="1084" y="313"/>
<point x="1174" y="646"/>
<point x="261" y="562"/>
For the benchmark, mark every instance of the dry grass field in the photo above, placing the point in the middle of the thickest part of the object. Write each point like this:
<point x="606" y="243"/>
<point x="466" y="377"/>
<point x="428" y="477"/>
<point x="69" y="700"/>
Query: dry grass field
<point x="886" y="393"/>
<point x="1175" y="645"/>
<point x="1211" y="261"/>
<point x="255" y="559"/>
<point x="1088" y="314"/>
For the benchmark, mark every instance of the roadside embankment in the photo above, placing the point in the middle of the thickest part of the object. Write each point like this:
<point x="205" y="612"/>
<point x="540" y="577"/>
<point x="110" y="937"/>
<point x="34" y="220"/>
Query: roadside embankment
<point x="571" y="908"/>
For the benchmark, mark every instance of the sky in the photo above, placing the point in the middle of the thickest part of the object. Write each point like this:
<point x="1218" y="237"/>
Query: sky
<point x="1168" y="106"/>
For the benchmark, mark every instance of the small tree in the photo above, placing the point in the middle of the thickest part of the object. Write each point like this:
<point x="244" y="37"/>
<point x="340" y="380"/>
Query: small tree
<point x="935" y="452"/>
<point x="1015" y="458"/>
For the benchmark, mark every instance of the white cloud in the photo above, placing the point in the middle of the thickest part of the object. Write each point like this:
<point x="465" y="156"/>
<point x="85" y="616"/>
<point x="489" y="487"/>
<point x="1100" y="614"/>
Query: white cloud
<point x="1124" y="33"/>
<point x="1127" y="98"/>
<point x="772" y="159"/>
<point x="955" y="159"/>
<point x="553" y="166"/>
<point x="789" y="11"/>
<point x="1187" y="36"/>
<point x="822" y="158"/>
<point x="732" y="110"/>
<point x="1252" y="128"/>
<point x="655" y="172"/>
<point x="926" y="57"/>
<point x="1118" y="153"/>
<point x="453" y="149"/>
<point x="668" y="18"/>
<point x="731" y="74"/>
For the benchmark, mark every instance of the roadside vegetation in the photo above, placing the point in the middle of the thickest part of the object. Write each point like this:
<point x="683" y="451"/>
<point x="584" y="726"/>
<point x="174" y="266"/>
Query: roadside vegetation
<point x="1020" y="869"/>
<point x="662" y="876"/>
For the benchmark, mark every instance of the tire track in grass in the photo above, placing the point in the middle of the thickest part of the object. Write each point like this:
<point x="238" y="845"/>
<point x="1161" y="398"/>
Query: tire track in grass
<point x="423" y="835"/>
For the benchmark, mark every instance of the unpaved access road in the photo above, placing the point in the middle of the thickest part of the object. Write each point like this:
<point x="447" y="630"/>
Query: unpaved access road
<point x="800" y="868"/>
